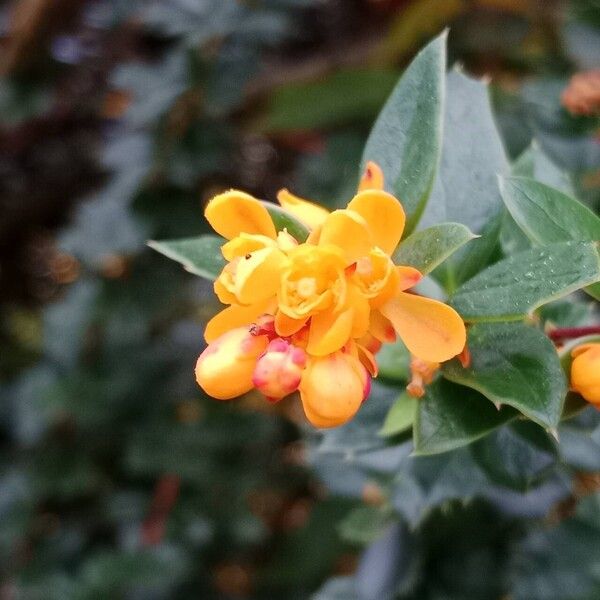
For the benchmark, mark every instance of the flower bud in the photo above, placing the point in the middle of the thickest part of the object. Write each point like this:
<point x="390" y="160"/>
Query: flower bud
<point x="422" y="374"/>
<point x="585" y="372"/>
<point x="279" y="369"/>
<point x="224" y="370"/>
<point x="332" y="388"/>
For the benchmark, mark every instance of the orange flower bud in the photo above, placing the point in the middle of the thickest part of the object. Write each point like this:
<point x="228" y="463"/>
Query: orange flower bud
<point x="279" y="369"/>
<point x="423" y="372"/>
<point x="332" y="388"/>
<point x="224" y="370"/>
<point x="585" y="372"/>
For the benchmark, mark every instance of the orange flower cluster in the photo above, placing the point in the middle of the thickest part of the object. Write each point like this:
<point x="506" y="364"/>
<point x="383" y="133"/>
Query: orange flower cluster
<point x="309" y="316"/>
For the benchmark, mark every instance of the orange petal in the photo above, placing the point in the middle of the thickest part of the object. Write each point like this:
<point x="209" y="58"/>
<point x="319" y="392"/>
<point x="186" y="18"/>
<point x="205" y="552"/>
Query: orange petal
<point x="309" y="213"/>
<point x="235" y="212"/>
<point x="286" y="326"/>
<point x="223" y="294"/>
<point x="235" y="316"/>
<point x="258" y="274"/>
<point x="367" y="358"/>
<point x="409" y="277"/>
<point x="384" y="216"/>
<point x="329" y="331"/>
<point x="381" y="328"/>
<point x="349" y="231"/>
<point x="372" y="178"/>
<point x="360" y="305"/>
<point x="244" y="244"/>
<point x="431" y="330"/>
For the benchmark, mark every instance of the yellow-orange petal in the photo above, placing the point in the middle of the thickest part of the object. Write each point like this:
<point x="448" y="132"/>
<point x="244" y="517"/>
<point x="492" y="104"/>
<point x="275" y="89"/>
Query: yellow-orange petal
<point x="332" y="389"/>
<point x="310" y="213"/>
<point x="381" y="328"/>
<point x="223" y="294"/>
<point x="286" y="326"/>
<point x="368" y="360"/>
<point x="258" y="274"/>
<point x="329" y="331"/>
<point x="372" y="178"/>
<point x="408" y="277"/>
<point x="431" y="330"/>
<point x="244" y="244"/>
<point x="224" y="370"/>
<point x="235" y="212"/>
<point x="360" y="305"/>
<point x="347" y="230"/>
<point x="235" y="316"/>
<point x="383" y="214"/>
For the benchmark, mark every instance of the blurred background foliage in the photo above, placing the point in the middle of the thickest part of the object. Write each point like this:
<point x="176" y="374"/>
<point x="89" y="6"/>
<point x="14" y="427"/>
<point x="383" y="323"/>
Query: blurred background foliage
<point x="118" y="120"/>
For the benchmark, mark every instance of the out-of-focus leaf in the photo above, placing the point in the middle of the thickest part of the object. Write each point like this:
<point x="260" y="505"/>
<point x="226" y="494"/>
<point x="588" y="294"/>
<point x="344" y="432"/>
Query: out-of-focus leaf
<point x="407" y="136"/>
<point x="365" y="524"/>
<point x="393" y="361"/>
<point x="200" y="255"/>
<point x="400" y="417"/>
<point x="518" y="455"/>
<point x="425" y="250"/>
<point x="515" y="286"/>
<point x="514" y="364"/>
<point x="344" y="96"/>
<point x="450" y="416"/>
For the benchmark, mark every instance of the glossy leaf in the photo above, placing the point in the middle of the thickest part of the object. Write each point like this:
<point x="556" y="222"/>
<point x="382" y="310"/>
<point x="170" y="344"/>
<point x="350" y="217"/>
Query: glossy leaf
<point x="394" y="361"/>
<point x="365" y="524"/>
<point x="515" y="286"/>
<point x="516" y="456"/>
<point x="547" y="215"/>
<point x="407" y="136"/>
<point x="400" y="416"/>
<point x="514" y="364"/>
<point x="200" y="255"/>
<point x="282" y="219"/>
<point x="425" y="250"/>
<point x="450" y="416"/>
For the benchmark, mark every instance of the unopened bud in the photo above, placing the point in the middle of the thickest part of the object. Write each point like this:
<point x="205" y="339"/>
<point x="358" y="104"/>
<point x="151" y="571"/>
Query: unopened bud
<point x="279" y="370"/>
<point x="585" y="372"/>
<point x="224" y="370"/>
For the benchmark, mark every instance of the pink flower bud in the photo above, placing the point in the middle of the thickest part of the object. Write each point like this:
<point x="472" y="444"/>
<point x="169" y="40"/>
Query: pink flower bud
<point x="279" y="370"/>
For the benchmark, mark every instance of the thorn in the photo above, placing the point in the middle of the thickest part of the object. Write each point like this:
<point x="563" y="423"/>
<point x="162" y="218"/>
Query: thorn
<point x="498" y="405"/>
<point x="554" y="433"/>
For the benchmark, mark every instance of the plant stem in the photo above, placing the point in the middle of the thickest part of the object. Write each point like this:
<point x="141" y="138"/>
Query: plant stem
<point x="567" y="333"/>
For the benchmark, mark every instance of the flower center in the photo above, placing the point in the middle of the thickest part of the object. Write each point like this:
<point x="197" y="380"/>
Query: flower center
<point x="306" y="287"/>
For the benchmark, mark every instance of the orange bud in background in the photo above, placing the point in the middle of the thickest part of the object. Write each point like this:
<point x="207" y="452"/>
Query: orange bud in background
<point x="224" y="370"/>
<point x="585" y="372"/>
<point x="332" y="388"/>
<point x="279" y="369"/>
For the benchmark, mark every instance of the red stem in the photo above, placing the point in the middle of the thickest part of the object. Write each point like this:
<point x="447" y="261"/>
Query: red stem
<point x="567" y="333"/>
<point x="165" y="496"/>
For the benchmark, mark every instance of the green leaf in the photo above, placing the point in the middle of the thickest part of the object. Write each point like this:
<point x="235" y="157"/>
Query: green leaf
<point x="547" y="215"/>
<point x="407" y="136"/>
<point x="514" y="364"/>
<point x="282" y="219"/>
<point x="517" y="456"/>
<point x="200" y="255"/>
<point x="425" y="250"/>
<point x="516" y="286"/>
<point x="365" y="524"/>
<point x="465" y="189"/>
<point x="450" y="416"/>
<point x="400" y="417"/>
<point x="346" y="95"/>
<point x="393" y="361"/>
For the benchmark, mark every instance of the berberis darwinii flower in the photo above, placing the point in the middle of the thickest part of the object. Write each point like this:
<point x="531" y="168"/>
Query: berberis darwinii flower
<point x="310" y="316"/>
